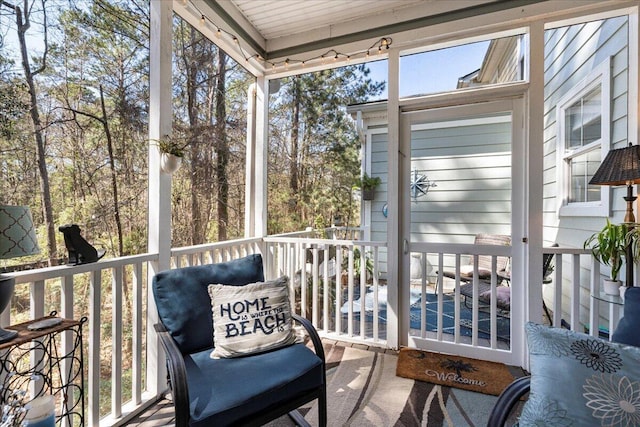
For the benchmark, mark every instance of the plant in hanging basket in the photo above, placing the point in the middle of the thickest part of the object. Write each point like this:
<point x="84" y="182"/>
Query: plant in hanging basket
<point x="368" y="185"/>
<point x="172" y="148"/>
<point x="171" y="154"/>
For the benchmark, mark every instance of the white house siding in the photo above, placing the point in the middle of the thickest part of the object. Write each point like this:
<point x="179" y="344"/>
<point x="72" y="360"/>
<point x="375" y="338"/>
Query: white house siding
<point x="502" y="62"/>
<point x="470" y="163"/>
<point x="571" y="53"/>
<point x="379" y="167"/>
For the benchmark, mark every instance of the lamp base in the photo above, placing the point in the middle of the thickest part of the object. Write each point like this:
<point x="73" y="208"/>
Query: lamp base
<point x="6" y="335"/>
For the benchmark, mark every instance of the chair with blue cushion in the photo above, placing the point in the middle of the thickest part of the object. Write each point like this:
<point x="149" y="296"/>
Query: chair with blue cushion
<point x="250" y="390"/>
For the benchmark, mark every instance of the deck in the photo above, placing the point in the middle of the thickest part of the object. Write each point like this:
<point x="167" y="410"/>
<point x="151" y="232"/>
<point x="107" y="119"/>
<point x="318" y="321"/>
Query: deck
<point x="162" y="413"/>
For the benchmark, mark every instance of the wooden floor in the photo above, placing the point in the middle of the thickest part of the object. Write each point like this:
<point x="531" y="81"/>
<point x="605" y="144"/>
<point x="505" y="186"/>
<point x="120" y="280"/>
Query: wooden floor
<point x="160" y="414"/>
<point x="163" y="414"/>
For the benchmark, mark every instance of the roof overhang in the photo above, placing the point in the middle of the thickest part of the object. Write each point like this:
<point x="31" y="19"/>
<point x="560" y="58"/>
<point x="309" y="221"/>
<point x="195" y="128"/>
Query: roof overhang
<point x="280" y="37"/>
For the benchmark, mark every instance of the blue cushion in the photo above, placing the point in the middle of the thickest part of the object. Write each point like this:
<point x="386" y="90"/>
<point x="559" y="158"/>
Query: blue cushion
<point x="580" y="380"/>
<point x="218" y="386"/>
<point x="183" y="301"/>
<point x="627" y="330"/>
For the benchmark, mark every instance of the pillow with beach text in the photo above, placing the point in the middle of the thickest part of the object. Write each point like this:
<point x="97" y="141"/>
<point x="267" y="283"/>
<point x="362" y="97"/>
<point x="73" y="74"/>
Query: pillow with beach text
<point x="251" y="319"/>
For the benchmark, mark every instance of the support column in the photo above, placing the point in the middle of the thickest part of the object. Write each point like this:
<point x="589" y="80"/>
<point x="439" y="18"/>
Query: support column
<point x="255" y="218"/>
<point x="634" y="102"/>
<point x="159" y="220"/>
<point x="397" y="320"/>
<point x="535" y="153"/>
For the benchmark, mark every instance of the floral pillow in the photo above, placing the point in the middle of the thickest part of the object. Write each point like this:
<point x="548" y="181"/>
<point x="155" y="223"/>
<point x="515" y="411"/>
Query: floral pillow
<point x="580" y="380"/>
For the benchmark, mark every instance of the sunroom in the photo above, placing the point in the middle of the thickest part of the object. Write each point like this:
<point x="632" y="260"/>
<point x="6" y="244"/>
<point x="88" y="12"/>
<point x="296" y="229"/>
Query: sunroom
<point x="489" y="157"/>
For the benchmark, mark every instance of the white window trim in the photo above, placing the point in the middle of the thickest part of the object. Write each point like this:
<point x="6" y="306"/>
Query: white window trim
<point x="600" y="75"/>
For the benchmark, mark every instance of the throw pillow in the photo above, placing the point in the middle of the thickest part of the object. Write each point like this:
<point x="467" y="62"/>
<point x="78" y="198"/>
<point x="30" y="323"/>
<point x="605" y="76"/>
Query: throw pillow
<point x="579" y="380"/>
<point x="626" y="332"/>
<point x="503" y="295"/>
<point x="467" y="270"/>
<point x="251" y="319"/>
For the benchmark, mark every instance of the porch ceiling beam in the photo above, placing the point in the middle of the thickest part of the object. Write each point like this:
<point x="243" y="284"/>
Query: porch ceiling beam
<point x="367" y="32"/>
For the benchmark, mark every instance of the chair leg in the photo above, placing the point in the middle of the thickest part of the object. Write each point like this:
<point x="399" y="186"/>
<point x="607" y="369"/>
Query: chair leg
<point x="322" y="408"/>
<point x="547" y="313"/>
<point x="297" y="418"/>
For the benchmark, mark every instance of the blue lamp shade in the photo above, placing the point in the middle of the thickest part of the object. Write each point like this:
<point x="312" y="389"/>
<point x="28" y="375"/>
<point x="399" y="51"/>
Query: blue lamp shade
<point x="17" y="238"/>
<point x="17" y="234"/>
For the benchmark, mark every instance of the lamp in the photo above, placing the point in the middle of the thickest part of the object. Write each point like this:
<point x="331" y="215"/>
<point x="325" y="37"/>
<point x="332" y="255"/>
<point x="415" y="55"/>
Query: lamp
<point x="622" y="167"/>
<point x="17" y="238"/>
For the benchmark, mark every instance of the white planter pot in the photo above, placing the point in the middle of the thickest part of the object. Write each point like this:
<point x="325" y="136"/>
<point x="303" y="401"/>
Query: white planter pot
<point x="170" y="163"/>
<point x="611" y="287"/>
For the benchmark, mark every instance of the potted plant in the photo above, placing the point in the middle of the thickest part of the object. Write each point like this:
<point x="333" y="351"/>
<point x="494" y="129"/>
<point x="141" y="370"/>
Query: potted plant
<point x="171" y="154"/>
<point x="609" y="246"/>
<point x="368" y="185"/>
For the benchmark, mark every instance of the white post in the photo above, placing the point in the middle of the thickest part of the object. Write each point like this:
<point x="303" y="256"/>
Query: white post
<point x="534" y="144"/>
<point x="396" y="331"/>
<point x="261" y="156"/>
<point x="634" y="101"/>
<point x="160" y="118"/>
<point x="250" y="178"/>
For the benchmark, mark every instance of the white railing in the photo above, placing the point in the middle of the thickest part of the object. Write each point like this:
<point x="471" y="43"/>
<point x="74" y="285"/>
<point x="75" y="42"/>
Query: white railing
<point x="329" y="268"/>
<point x="328" y="279"/>
<point x="54" y="289"/>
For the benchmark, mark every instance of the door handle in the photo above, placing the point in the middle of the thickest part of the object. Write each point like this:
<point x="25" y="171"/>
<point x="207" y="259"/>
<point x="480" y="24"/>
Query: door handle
<point x="405" y="246"/>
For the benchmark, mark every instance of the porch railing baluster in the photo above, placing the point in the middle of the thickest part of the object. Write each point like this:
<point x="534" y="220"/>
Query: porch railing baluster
<point x="116" y="344"/>
<point x="323" y="288"/>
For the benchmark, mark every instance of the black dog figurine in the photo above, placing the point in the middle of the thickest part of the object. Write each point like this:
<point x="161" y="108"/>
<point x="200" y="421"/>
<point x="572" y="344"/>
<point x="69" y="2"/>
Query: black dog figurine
<point x="80" y="251"/>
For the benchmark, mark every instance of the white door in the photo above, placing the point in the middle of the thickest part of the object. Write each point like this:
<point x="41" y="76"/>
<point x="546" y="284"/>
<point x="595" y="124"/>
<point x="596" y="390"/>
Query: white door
<point x="464" y="179"/>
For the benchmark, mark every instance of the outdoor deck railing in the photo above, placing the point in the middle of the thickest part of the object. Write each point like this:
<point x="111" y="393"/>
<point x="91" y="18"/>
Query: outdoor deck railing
<point x="328" y="278"/>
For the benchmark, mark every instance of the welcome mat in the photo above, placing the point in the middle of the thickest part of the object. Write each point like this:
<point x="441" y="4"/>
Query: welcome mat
<point x="454" y="371"/>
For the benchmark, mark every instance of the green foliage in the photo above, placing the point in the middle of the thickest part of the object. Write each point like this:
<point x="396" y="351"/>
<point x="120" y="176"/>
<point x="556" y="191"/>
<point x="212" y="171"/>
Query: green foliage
<point x="609" y="246"/>
<point x="357" y="263"/>
<point x="368" y="183"/>
<point x="314" y="148"/>
<point x="170" y="146"/>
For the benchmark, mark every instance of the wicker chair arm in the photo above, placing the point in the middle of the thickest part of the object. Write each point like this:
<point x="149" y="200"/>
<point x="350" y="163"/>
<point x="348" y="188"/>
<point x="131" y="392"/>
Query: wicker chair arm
<point x="177" y="375"/>
<point x="507" y="400"/>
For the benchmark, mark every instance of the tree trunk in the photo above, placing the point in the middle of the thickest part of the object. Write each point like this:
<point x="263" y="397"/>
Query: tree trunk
<point x="191" y="65"/>
<point x="222" y="149"/>
<point x="37" y="130"/>
<point x="295" y="134"/>
<point x="114" y="182"/>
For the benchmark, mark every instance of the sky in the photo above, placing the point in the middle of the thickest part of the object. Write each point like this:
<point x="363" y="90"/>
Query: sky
<point x="432" y="72"/>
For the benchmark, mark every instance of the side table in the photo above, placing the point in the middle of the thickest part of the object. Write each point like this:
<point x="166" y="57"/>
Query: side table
<point x="46" y="361"/>
<point x="615" y="303"/>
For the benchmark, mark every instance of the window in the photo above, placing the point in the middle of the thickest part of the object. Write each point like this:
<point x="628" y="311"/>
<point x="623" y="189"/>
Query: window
<point x="583" y="141"/>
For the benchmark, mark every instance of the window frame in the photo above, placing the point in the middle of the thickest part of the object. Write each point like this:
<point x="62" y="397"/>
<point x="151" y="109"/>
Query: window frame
<point x="599" y="76"/>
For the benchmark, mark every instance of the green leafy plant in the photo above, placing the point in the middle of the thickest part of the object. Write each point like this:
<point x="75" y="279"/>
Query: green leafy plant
<point x="609" y="246"/>
<point x="171" y="146"/>
<point x="357" y="263"/>
<point x="367" y="182"/>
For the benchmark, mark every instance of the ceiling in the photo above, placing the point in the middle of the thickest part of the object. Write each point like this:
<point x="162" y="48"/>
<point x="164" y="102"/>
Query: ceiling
<point x="270" y="34"/>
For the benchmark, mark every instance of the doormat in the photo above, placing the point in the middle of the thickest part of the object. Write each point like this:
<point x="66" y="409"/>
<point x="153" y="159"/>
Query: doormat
<point x="455" y="371"/>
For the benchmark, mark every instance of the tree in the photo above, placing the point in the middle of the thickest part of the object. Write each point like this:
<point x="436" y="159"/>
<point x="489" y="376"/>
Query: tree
<point x="222" y="148"/>
<point x="312" y="134"/>
<point x="23" y="24"/>
<point x="210" y="115"/>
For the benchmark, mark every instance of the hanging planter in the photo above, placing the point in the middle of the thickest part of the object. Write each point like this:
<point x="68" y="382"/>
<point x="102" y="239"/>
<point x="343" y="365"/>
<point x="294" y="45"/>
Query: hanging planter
<point x="171" y="154"/>
<point x="368" y="194"/>
<point x="170" y="162"/>
<point x="368" y="186"/>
